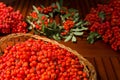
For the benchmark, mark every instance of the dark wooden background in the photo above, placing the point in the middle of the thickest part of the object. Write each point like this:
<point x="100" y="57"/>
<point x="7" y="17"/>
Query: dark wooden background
<point x="105" y="60"/>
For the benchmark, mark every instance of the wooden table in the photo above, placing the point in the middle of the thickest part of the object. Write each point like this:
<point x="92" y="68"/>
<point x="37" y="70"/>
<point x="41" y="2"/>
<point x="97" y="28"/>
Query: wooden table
<point x="105" y="60"/>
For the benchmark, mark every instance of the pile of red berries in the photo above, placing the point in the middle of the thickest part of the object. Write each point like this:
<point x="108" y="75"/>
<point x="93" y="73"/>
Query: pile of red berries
<point x="37" y="59"/>
<point x="11" y="21"/>
<point x="68" y="24"/>
<point x="105" y="20"/>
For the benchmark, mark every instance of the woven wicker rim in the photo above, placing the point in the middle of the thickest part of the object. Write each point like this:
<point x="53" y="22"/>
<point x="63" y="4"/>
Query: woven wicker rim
<point x="88" y="67"/>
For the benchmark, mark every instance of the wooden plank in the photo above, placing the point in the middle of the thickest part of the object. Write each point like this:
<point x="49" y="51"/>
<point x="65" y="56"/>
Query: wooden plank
<point x="16" y="4"/>
<point x="87" y="6"/>
<point x="31" y="3"/>
<point x="119" y="60"/>
<point x="109" y="69"/>
<point x="101" y="69"/>
<point x="77" y="7"/>
<point x="92" y="60"/>
<point x="20" y="6"/>
<point x="116" y="66"/>
<point x="92" y="4"/>
<point x="25" y="7"/>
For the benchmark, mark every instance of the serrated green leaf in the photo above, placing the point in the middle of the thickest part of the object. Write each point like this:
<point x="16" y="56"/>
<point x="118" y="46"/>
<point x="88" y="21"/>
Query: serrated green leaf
<point x="78" y="33"/>
<point x="74" y="39"/>
<point x="58" y="5"/>
<point x="68" y="38"/>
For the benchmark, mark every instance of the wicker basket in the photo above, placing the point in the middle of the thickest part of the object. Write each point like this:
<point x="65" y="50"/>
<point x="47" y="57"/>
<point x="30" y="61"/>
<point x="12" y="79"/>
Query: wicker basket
<point x="12" y="39"/>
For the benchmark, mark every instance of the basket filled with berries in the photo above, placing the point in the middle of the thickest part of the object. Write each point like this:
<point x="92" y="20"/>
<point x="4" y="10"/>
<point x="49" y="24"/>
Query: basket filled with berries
<point x="28" y="56"/>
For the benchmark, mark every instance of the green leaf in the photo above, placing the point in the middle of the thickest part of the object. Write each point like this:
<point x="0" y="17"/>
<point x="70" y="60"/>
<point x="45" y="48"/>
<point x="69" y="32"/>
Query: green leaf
<point x="78" y="33"/>
<point x="56" y="37"/>
<point x="51" y="14"/>
<point x="76" y="19"/>
<point x="67" y="15"/>
<point x="76" y="15"/>
<point x="31" y="23"/>
<point x="53" y="4"/>
<point x="79" y="29"/>
<point x="68" y="38"/>
<point x="86" y="23"/>
<point x="92" y="37"/>
<point x="74" y="39"/>
<point x="36" y="10"/>
<point x="79" y="23"/>
<point x="29" y="17"/>
<point x="40" y="15"/>
<point x="38" y="21"/>
<point x="43" y="28"/>
<point x="102" y="15"/>
<point x="58" y="5"/>
<point x="91" y="40"/>
<point x="62" y="17"/>
<point x="30" y="28"/>
<point x="72" y="10"/>
<point x="56" y="10"/>
<point x="84" y="28"/>
<point x="42" y="6"/>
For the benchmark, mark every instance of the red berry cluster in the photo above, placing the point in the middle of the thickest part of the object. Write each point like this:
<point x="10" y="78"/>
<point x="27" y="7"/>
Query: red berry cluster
<point x="40" y="60"/>
<point x="34" y="15"/>
<point x="67" y="25"/>
<point x="11" y="21"/>
<point x="107" y="24"/>
<point x="46" y="10"/>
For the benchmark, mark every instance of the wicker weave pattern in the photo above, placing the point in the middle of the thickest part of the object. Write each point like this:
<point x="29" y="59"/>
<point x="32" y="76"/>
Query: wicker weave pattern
<point x="12" y="39"/>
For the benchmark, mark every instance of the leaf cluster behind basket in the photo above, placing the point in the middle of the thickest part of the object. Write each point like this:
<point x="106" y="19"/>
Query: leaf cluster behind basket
<point x="56" y="22"/>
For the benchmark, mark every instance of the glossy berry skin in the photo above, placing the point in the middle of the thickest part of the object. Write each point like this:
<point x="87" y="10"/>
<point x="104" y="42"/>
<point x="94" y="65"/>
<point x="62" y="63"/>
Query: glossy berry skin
<point x="40" y="60"/>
